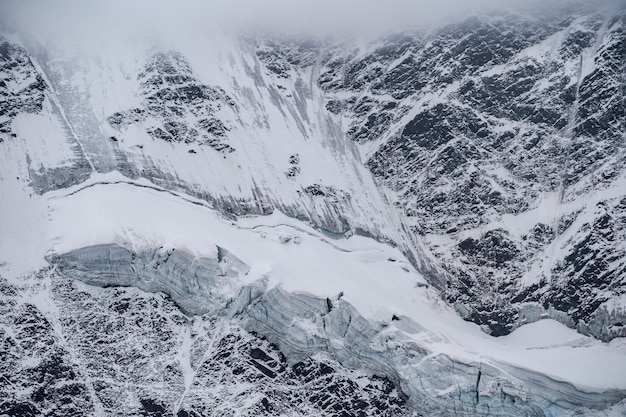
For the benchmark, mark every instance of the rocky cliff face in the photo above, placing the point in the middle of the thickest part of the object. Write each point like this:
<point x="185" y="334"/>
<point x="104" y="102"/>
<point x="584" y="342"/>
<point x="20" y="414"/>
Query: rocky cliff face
<point x="502" y="138"/>
<point x="490" y="152"/>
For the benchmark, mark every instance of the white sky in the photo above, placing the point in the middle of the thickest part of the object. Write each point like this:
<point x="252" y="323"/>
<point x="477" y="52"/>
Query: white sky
<point x="99" y="18"/>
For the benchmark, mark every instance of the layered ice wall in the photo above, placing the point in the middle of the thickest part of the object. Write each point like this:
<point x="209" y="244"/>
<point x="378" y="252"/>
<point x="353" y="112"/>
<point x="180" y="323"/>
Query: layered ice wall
<point x="197" y="286"/>
<point x="435" y="383"/>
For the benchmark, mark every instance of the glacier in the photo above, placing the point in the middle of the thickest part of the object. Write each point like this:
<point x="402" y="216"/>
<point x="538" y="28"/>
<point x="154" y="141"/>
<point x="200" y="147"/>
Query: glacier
<point x="309" y="295"/>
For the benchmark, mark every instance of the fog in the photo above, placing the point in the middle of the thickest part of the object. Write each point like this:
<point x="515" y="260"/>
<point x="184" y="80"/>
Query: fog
<point x="80" y="21"/>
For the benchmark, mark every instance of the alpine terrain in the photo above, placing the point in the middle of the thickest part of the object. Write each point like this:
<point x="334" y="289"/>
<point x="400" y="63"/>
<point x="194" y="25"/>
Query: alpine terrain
<point x="423" y="221"/>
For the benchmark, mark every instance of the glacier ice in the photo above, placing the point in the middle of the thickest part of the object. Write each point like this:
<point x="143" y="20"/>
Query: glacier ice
<point x="304" y="325"/>
<point x="191" y="282"/>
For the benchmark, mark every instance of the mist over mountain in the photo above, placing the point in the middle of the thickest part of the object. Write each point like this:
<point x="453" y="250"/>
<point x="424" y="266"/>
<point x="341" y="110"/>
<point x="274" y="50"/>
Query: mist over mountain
<point x="322" y="208"/>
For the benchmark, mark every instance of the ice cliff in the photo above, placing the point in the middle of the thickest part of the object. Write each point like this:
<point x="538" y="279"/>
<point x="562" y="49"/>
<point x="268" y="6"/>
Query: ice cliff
<point x="304" y="325"/>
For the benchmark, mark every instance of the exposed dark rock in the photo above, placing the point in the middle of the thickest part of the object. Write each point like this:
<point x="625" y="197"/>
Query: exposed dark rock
<point x="174" y="96"/>
<point x="494" y="128"/>
<point x="22" y="88"/>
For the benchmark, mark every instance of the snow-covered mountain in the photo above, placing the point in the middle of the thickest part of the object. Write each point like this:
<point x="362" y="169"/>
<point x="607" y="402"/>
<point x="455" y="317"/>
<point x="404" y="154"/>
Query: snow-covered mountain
<point x="275" y="225"/>
<point x="503" y="139"/>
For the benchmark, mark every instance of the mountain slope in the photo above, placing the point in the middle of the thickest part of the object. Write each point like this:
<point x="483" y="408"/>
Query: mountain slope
<point x="503" y="139"/>
<point x="266" y="225"/>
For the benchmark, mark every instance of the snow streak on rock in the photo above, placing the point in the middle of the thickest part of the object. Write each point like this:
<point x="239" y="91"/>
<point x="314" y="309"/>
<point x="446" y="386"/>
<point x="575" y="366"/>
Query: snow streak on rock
<point x="181" y="109"/>
<point x="21" y="87"/>
<point x="496" y="134"/>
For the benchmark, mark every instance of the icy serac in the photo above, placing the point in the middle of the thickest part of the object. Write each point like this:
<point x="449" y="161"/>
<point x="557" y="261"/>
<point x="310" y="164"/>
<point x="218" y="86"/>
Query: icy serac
<point x="188" y="280"/>
<point x="265" y="226"/>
